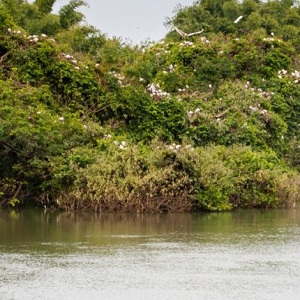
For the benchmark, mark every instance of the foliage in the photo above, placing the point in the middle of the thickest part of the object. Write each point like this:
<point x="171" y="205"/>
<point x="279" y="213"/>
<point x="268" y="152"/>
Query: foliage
<point x="219" y="16"/>
<point x="31" y="136"/>
<point x="81" y="39"/>
<point x="206" y="122"/>
<point x="178" y="178"/>
<point x="135" y="179"/>
<point x="5" y="18"/>
<point x="69" y="16"/>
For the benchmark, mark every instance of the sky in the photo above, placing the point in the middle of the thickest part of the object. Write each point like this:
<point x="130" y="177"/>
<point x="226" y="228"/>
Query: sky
<point x="134" y="21"/>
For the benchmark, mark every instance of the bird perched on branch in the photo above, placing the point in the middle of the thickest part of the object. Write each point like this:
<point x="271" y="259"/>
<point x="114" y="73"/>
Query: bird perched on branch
<point x="183" y="34"/>
<point x="238" y="19"/>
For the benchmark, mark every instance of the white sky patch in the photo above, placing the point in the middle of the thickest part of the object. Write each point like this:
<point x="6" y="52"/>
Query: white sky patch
<point x="133" y="20"/>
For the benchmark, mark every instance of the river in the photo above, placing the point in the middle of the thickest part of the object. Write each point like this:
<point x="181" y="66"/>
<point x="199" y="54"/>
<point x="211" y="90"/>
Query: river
<point x="245" y="254"/>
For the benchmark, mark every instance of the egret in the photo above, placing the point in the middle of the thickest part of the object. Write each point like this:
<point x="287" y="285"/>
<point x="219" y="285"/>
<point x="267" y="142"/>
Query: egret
<point x="183" y="34"/>
<point x="238" y="19"/>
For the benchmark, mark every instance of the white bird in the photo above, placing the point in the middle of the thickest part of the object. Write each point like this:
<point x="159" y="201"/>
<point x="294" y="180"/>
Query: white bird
<point x="183" y="34"/>
<point x="238" y="19"/>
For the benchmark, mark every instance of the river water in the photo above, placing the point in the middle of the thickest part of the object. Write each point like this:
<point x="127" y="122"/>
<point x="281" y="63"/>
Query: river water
<point x="246" y="254"/>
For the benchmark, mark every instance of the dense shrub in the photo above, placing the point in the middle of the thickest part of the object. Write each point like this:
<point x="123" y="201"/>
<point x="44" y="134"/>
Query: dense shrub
<point x="131" y="179"/>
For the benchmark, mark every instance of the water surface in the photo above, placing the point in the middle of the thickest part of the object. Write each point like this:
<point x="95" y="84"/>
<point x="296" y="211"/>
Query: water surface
<point x="250" y="254"/>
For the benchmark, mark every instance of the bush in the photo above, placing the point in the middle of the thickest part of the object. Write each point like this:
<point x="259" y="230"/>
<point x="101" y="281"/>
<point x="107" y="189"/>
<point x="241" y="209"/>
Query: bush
<point x="179" y="178"/>
<point x="132" y="179"/>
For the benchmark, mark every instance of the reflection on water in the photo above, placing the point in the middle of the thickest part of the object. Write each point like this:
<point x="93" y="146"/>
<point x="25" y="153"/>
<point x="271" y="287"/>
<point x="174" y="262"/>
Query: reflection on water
<point x="249" y="254"/>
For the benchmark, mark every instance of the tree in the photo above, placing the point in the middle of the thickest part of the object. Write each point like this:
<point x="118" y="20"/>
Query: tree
<point x="45" y="6"/>
<point x="5" y="18"/>
<point x="69" y="15"/>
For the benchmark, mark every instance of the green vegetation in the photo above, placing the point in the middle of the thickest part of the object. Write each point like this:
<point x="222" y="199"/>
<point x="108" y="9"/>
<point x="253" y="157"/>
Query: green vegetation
<point x="209" y="122"/>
